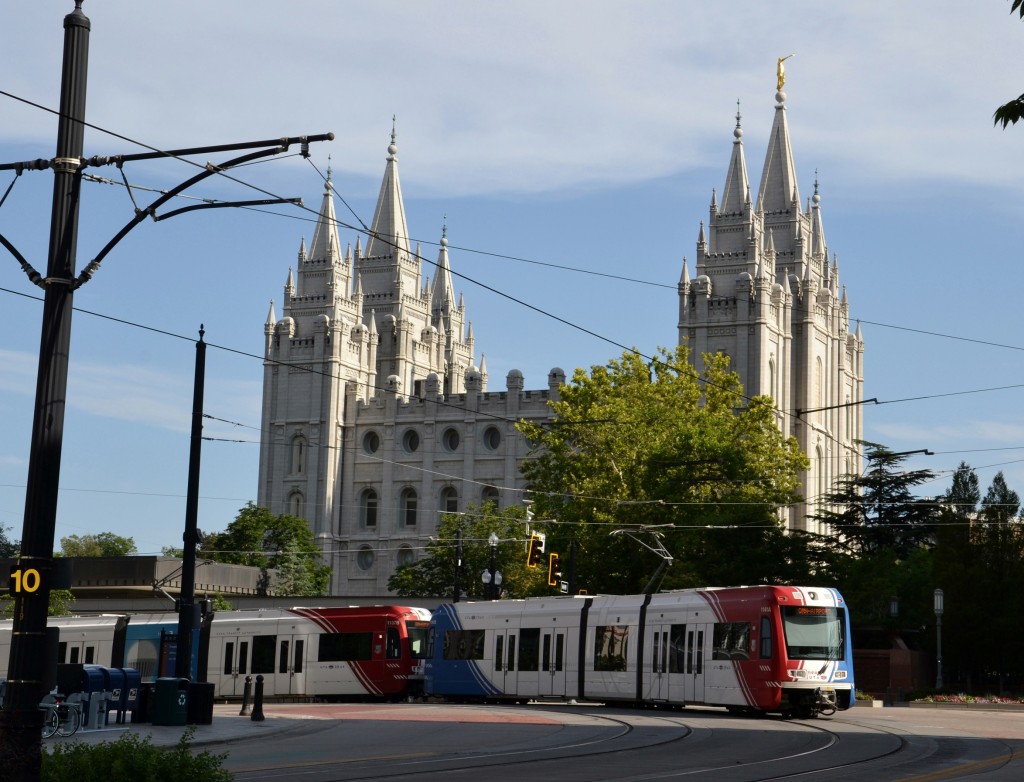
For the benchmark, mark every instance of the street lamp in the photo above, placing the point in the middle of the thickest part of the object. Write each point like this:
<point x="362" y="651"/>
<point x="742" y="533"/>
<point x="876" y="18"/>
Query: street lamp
<point x="492" y="577"/>
<point x="939" y="598"/>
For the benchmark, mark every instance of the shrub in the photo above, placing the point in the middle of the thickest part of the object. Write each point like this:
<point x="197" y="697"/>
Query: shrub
<point x="133" y="758"/>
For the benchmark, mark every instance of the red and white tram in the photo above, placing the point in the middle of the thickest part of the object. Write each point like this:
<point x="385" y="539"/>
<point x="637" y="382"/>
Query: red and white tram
<point x="759" y="649"/>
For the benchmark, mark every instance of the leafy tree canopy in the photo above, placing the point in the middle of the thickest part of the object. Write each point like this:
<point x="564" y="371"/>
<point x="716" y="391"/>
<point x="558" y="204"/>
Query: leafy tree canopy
<point x="105" y="544"/>
<point x="8" y="547"/>
<point x="434" y="574"/>
<point x="285" y="543"/>
<point x="637" y="445"/>
<point x="1012" y="112"/>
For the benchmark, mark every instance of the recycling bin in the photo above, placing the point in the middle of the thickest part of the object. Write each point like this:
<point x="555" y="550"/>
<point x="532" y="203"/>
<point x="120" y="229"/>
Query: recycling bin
<point x="170" y="701"/>
<point x="200" y="703"/>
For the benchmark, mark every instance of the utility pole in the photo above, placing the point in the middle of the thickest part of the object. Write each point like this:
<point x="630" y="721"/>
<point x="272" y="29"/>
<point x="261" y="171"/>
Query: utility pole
<point x="32" y="577"/>
<point x="21" y="720"/>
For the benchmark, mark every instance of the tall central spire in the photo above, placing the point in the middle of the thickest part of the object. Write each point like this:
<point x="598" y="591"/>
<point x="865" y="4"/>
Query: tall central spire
<point x="778" y="179"/>
<point x="389" y="233"/>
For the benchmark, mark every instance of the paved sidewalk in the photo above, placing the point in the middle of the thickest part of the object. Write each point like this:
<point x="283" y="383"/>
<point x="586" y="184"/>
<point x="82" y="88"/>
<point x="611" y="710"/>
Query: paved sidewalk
<point x="227" y="726"/>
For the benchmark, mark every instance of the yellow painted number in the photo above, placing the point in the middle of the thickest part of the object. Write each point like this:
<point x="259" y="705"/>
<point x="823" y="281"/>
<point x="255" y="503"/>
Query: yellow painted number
<point x="27" y="580"/>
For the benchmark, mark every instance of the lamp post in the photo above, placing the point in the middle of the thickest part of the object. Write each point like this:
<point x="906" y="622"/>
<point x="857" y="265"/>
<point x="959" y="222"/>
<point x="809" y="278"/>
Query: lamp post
<point x="492" y="577"/>
<point x="939" y="598"/>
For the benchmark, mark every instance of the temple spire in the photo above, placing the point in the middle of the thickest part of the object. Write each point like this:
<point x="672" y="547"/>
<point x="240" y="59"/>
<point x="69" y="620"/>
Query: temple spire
<point x="389" y="234"/>
<point x="737" y="186"/>
<point x="778" y="179"/>
<point x="326" y="245"/>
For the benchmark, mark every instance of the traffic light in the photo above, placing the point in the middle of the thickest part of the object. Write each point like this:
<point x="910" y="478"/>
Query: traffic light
<point x="554" y="570"/>
<point x="536" y="548"/>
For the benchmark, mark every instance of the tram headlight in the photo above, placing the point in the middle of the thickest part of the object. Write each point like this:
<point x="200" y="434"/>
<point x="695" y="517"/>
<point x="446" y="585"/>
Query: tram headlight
<point x="797" y="673"/>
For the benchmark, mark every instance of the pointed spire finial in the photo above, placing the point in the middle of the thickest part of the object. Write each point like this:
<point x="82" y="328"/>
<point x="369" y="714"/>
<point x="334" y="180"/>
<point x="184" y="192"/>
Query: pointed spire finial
<point x="816" y="198"/>
<point x="393" y="146"/>
<point x="738" y="131"/>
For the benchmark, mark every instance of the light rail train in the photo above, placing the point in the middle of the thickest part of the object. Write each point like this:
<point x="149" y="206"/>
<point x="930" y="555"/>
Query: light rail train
<point x="373" y="652"/>
<point x="763" y="649"/>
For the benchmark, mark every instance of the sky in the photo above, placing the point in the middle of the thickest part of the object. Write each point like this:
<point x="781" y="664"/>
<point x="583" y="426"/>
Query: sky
<point x="570" y="148"/>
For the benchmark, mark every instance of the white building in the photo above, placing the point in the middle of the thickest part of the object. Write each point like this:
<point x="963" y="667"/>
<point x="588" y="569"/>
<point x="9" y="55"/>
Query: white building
<point x="375" y="416"/>
<point x="766" y="293"/>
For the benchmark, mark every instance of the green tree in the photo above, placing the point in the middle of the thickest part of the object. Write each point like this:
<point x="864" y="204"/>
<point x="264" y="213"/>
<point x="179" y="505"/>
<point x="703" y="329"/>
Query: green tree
<point x="434" y="574"/>
<point x="105" y="544"/>
<point x="260" y="539"/>
<point x="878" y="511"/>
<point x="638" y="446"/>
<point x="1014" y="110"/>
<point x="8" y="547"/>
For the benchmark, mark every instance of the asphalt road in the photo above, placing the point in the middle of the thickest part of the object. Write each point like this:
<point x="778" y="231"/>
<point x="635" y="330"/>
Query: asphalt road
<point x="593" y="743"/>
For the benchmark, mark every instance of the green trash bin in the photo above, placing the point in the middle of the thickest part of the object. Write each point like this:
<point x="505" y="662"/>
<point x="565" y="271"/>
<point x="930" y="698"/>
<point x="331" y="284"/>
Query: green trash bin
<point x="170" y="701"/>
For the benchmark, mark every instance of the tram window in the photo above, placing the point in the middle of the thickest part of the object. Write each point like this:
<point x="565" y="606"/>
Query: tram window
<point x="698" y="665"/>
<point x="689" y="652"/>
<point x="512" y="652"/>
<point x="243" y="657"/>
<point x="676" y="649"/>
<point x="731" y="641"/>
<point x="282" y="663"/>
<point x="263" y="648"/>
<point x="419" y="643"/>
<point x="814" y="632"/>
<point x="464" y="645"/>
<point x="229" y="653"/>
<point x="90" y="652"/>
<point x="546" y="655"/>
<point x="335" y="647"/>
<point x="766" y="638"/>
<point x="499" y="651"/>
<point x="62" y="651"/>
<point x="610" y="647"/>
<point x="559" y="651"/>
<point x="300" y="653"/>
<point x="74" y="654"/>
<point x="393" y="649"/>
<point x="529" y="649"/>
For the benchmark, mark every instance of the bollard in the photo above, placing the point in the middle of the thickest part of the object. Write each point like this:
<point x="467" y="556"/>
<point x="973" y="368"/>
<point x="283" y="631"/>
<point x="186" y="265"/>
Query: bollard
<point x="257" y="703"/>
<point x="246" y="692"/>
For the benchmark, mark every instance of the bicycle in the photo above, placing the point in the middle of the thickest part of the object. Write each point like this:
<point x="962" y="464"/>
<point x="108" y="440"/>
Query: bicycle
<point x="62" y="717"/>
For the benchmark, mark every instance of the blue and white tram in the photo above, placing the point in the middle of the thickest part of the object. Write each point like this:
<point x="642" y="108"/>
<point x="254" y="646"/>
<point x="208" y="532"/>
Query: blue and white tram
<point x="758" y="649"/>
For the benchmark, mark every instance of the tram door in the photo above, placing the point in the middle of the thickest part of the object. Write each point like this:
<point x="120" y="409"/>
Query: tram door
<point x="505" y="674"/>
<point x="552" y="663"/>
<point x="693" y="658"/>
<point x="658" y="688"/>
<point x="291" y="665"/>
<point x="234" y="665"/>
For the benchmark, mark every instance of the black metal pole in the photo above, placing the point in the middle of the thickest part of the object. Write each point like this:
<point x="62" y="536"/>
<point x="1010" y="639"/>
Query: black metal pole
<point x="492" y="588"/>
<point x="187" y="597"/>
<point x="21" y="720"/>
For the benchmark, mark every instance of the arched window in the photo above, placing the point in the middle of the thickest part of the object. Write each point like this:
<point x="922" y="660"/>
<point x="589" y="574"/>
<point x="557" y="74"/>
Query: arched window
<point x="771" y="379"/>
<point x="368" y="509"/>
<point x="449" y="500"/>
<point x="408" y="506"/>
<point x="298" y="454"/>
<point x="819" y="391"/>
<point x="820" y="474"/>
<point x="406" y="556"/>
<point x="489" y="494"/>
<point x="296" y="506"/>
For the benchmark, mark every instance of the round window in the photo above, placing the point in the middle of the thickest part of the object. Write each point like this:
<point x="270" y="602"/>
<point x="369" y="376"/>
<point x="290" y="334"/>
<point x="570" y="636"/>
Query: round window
<point x="364" y="559"/>
<point x="450" y="438"/>
<point x="492" y="438"/>
<point x="371" y="442"/>
<point x="411" y="440"/>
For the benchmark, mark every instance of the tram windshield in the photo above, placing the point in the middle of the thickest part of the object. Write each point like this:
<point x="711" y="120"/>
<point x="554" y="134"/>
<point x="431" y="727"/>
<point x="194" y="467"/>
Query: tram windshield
<point x="814" y="632"/>
<point x="417" y="639"/>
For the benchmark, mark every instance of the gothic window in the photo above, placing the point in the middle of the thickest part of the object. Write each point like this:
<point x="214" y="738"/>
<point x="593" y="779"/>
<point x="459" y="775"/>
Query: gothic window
<point x="820" y="473"/>
<point x="450" y="439"/>
<point x="371" y="442"/>
<point x="492" y="438"/>
<point x="368" y="509"/>
<point x="408" y="506"/>
<point x="771" y="379"/>
<point x="449" y="500"/>
<point x="365" y="558"/>
<point x="298" y="454"/>
<point x="406" y="556"/>
<point x="295" y="504"/>
<point x="489" y="494"/>
<point x="818" y="390"/>
<point x="411" y="440"/>
<point x="848" y="434"/>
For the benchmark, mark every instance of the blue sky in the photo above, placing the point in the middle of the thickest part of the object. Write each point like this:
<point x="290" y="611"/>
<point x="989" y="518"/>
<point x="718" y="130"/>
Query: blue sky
<point x="584" y="134"/>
